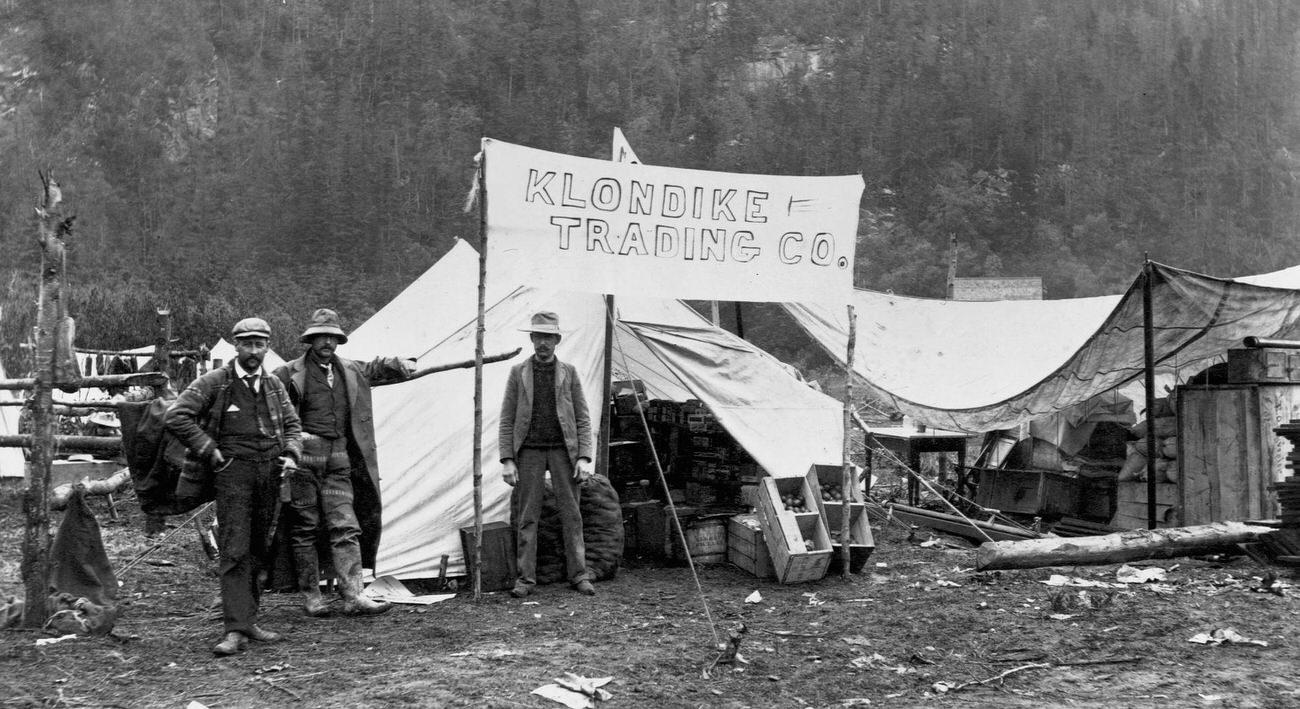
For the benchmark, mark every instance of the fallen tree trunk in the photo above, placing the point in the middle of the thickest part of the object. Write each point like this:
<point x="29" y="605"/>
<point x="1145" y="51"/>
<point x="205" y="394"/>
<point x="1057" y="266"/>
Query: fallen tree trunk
<point x="1133" y="545"/>
<point x="60" y="495"/>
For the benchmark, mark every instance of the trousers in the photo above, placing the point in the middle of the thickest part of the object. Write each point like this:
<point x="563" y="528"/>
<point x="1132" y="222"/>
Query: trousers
<point x="533" y="463"/>
<point x="322" y="494"/>
<point x="246" y="492"/>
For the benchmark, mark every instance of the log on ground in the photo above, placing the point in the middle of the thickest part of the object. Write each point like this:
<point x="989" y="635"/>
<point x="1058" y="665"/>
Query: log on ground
<point x="1133" y="545"/>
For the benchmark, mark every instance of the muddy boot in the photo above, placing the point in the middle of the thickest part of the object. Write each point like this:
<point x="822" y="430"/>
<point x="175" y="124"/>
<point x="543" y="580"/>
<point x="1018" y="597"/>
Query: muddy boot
<point x="309" y="583"/>
<point x="357" y="603"/>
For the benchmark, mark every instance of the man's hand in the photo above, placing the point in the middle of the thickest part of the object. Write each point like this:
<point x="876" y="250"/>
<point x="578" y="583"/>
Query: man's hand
<point x="582" y="471"/>
<point x="217" y="461"/>
<point x="410" y="365"/>
<point x="288" y="463"/>
<point x="510" y="472"/>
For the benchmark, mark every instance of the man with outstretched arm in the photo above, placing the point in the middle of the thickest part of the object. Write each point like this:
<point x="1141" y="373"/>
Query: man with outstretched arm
<point x="337" y="488"/>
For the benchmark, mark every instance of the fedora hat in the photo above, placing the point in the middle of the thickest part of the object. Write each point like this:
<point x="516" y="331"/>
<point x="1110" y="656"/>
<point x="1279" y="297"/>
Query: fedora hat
<point x="250" y="327"/>
<point x="323" y="322"/>
<point x="545" y="322"/>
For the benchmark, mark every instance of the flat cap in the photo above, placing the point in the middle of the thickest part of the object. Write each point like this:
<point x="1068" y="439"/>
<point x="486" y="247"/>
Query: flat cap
<point x="251" y="327"/>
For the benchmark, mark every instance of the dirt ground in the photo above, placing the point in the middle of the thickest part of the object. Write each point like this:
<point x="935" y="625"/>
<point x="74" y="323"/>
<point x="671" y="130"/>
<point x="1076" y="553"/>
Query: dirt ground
<point x="919" y="627"/>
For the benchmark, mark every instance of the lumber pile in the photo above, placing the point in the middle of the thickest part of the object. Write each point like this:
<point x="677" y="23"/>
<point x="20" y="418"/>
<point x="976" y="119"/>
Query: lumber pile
<point x="1284" y="544"/>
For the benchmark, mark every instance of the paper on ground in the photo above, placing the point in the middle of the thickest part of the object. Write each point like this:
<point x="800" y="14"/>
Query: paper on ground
<point x="387" y="588"/>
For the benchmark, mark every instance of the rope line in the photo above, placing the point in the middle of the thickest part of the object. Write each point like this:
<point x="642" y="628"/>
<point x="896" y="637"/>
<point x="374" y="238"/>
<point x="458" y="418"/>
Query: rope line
<point x="663" y="480"/>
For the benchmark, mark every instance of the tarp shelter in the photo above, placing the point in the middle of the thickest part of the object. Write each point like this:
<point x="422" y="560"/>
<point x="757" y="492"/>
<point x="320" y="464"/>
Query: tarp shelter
<point x="425" y="427"/>
<point x="12" y="462"/>
<point x="980" y="366"/>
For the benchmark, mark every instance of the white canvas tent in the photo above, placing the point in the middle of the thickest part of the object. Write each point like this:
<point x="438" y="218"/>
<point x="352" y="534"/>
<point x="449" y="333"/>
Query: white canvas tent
<point x="224" y="351"/>
<point x="425" y="427"/>
<point x="12" y="462"/>
<point x="979" y="366"/>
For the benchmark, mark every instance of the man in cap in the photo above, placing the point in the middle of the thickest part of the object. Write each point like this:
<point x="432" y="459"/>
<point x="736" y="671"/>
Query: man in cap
<point x="240" y="422"/>
<point x="545" y="426"/>
<point x="337" y="489"/>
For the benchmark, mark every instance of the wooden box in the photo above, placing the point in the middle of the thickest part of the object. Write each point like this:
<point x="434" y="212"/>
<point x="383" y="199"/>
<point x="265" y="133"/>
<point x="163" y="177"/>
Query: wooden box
<point x="1260" y="365"/>
<point x="706" y="539"/>
<point x="746" y="547"/>
<point x="498" y="570"/>
<point x="1046" y="493"/>
<point x="1131" y="505"/>
<point x="799" y="542"/>
<point x="1228" y="452"/>
<point x="861" y="543"/>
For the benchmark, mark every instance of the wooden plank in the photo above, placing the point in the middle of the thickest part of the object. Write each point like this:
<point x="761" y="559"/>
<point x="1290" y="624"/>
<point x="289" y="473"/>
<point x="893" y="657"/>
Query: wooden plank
<point x="956" y="525"/>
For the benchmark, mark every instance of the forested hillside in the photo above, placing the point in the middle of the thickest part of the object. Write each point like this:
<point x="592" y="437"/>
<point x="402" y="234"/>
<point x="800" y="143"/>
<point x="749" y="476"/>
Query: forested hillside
<point x="227" y="157"/>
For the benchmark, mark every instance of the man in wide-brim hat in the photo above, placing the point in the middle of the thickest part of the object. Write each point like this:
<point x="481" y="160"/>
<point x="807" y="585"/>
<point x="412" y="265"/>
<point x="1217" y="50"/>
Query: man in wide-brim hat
<point x="545" y="426"/>
<point x="336" y="503"/>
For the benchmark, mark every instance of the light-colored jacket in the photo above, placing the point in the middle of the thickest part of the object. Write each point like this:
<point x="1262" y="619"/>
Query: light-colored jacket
<point x="570" y="405"/>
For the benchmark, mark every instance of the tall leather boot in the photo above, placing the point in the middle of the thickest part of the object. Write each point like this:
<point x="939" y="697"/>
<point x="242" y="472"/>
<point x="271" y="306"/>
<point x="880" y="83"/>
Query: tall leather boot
<point x="357" y="603"/>
<point x="309" y="583"/>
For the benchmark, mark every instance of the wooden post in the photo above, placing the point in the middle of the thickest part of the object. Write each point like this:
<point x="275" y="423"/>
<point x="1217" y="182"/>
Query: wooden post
<point x="49" y="309"/>
<point x="1149" y="367"/>
<point x="846" y="476"/>
<point x="477" y="581"/>
<point x="602" y="461"/>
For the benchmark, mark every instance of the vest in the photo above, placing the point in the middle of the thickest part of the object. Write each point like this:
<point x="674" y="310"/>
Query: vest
<point x="246" y="428"/>
<point x="322" y="408"/>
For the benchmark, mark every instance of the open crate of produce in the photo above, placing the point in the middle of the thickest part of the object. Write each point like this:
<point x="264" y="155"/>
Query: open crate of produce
<point x="827" y="481"/>
<point x="794" y="529"/>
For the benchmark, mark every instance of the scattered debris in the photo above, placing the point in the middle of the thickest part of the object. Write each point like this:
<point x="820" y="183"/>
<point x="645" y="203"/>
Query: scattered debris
<point x="1218" y="636"/>
<point x="387" y="588"/>
<point x="754" y="597"/>
<point x="576" y="691"/>
<point x="1132" y="574"/>
<point x="41" y="642"/>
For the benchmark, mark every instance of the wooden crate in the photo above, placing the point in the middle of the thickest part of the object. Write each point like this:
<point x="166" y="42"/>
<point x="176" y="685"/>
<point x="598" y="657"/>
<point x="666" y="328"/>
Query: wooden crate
<point x="746" y="547"/>
<point x="822" y="475"/>
<point x="1228" y="452"/>
<point x="499" y="571"/>
<point x="706" y="539"/>
<point x="1033" y="492"/>
<point x="1131" y="505"/>
<point x="861" y="543"/>
<point x="786" y="531"/>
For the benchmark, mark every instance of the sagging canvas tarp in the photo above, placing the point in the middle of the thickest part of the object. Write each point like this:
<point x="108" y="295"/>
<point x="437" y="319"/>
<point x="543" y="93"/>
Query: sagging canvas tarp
<point x="424" y="428"/>
<point x="980" y="366"/>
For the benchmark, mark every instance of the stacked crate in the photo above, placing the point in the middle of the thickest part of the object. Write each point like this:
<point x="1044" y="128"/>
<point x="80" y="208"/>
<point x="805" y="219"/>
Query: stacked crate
<point x="827" y="483"/>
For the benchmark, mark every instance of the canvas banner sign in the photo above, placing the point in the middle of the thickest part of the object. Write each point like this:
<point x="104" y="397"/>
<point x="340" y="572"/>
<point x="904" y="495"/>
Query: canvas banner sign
<point x="583" y="224"/>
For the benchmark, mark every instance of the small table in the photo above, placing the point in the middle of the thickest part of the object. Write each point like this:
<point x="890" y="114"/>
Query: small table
<point x="908" y="443"/>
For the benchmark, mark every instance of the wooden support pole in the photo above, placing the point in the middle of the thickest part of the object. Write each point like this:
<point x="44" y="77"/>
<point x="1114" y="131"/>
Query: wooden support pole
<point x="602" y="458"/>
<point x="49" y="310"/>
<point x="476" y="554"/>
<point x="1149" y="368"/>
<point x="847" y="481"/>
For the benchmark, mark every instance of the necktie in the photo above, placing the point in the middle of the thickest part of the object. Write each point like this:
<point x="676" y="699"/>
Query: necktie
<point x="329" y="375"/>
<point x="251" y="381"/>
